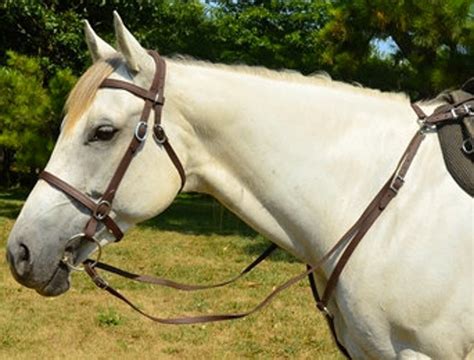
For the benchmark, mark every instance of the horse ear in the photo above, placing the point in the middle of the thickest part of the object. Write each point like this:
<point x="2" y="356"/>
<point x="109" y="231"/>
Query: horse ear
<point x="98" y="48"/>
<point x="135" y="55"/>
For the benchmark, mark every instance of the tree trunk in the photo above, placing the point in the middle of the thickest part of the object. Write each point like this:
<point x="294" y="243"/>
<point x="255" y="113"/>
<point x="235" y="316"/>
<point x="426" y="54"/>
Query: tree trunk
<point x="6" y="157"/>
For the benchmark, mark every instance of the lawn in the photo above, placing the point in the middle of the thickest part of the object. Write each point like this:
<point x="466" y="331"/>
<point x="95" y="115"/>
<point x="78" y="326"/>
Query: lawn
<point x="194" y="241"/>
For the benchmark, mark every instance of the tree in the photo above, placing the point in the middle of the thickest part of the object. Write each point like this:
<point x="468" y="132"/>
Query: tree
<point x="275" y="34"/>
<point x="53" y="30"/>
<point x="29" y="114"/>
<point x="433" y="40"/>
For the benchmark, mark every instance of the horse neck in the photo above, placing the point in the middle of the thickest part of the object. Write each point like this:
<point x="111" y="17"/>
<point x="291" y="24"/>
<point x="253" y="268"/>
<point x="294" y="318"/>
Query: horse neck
<point x="297" y="161"/>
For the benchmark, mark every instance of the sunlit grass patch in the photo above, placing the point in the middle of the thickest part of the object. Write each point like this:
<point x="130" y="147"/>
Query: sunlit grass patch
<point x="87" y="323"/>
<point x="109" y="317"/>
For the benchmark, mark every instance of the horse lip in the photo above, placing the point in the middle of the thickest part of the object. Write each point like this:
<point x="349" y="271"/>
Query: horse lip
<point x="58" y="284"/>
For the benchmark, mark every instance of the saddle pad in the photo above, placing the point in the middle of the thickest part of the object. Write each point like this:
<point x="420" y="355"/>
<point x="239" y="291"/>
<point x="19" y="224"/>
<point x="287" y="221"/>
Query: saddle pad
<point x="453" y="135"/>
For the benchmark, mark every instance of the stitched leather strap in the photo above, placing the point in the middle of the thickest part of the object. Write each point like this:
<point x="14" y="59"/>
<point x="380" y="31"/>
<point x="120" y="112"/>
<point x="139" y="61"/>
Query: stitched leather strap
<point x="371" y="213"/>
<point x="132" y="88"/>
<point x="82" y="199"/>
<point x="329" y="318"/>
<point x="352" y="238"/>
<point x="450" y="112"/>
<point x="175" y="285"/>
<point x="101" y="283"/>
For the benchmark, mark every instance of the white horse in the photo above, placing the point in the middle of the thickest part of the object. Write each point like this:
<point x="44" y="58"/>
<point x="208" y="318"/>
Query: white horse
<point x="297" y="158"/>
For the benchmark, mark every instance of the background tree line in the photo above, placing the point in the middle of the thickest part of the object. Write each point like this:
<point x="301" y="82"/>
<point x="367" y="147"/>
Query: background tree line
<point x="417" y="46"/>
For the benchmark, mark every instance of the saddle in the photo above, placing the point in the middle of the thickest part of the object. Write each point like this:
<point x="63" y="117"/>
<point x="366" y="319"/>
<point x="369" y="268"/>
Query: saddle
<point x="457" y="138"/>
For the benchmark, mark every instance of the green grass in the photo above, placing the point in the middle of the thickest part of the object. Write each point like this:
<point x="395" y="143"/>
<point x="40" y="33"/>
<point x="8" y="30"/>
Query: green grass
<point x="194" y="241"/>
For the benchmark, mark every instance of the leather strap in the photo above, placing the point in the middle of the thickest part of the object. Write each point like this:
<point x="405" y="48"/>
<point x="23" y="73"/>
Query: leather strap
<point x="329" y="318"/>
<point x="352" y="238"/>
<point x="82" y="199"/>
<point x="450" y="112"/>
<point x="101" y="283"/>
<point x="180" y="286"/>
<point x="132" y="88"/>
<point x="154" y="100"/>
<point x="371" y="213"/>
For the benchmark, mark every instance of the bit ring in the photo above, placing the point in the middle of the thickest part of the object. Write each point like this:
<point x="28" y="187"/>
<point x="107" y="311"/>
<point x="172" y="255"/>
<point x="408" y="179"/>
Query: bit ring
<point x="68" y="261"/>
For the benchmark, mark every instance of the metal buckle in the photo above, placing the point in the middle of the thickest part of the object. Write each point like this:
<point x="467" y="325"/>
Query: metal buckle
<point x="457" y="112"/>
<point x="468" y="146"/>
<point x="424" y="127"/>
<point x="323" y="308"/>
<point x="138" y="128"/>
<point x="159" y="134"/>
<point x="100" y="282"/>
<point x="102" y="215"/>
<point x="68" y="260"/>
<point x="392" y="183"/>
<point x="427" y="128"/>
<point x="454" y="113"/>
<point x="469" y="109"/>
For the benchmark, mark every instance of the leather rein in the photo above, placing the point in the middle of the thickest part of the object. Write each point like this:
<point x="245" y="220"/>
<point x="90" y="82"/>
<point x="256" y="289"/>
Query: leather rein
<point x="154" y="100"/>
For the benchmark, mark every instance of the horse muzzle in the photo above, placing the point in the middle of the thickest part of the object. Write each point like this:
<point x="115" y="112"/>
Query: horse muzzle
<point x="44" y="274"/>
<point x="48" y="272"/>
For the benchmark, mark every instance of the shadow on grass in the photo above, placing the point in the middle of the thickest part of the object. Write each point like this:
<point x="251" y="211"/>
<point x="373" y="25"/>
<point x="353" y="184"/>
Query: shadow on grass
<point x="259" y="244"/>
<point x="189" y="214"/>
<point x="200" y="215"/>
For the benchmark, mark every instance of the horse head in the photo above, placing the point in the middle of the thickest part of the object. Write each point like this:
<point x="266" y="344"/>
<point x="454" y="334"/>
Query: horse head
<point x="95" y="134"/>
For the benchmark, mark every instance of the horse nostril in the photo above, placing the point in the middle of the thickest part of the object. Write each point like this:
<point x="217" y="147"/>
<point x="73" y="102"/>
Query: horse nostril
<point x="23" y="254"/>
<point x="20" y="260"/>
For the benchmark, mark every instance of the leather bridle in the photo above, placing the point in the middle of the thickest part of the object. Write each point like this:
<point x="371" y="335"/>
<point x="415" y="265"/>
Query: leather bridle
<point x="154" y="100"/>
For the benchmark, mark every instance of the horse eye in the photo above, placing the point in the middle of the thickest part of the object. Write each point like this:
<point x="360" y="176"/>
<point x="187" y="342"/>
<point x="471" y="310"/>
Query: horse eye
<point x="104" y="133"/>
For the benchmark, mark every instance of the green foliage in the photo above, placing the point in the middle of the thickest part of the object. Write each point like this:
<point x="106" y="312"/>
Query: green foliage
<point x="109" y="317"/>
<point x="58" y="88"/>
<point x="29" y="111"/>
<point x="434" y="43"/>
<point x="432" y="40"/>
<point x="54" y="29"/>
<point x="48" y="30"/>
<point x="276" y="34"/>
<point x="24" y="105"/>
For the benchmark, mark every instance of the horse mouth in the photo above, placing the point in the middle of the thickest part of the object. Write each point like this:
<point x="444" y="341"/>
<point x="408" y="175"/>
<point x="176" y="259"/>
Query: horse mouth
<point x="58" y="284"/>
<point x="74" y="254"/>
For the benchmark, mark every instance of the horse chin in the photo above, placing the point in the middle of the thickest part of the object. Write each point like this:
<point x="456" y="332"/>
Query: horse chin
<point x="58" y="284"/>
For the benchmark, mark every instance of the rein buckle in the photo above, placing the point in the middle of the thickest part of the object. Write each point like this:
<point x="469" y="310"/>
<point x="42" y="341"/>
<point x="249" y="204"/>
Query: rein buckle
<point x="102" y="210"/>
<point x="159" y="134"/>
<point x="393" y="184"/>
<point x="141" y="131"/>
<point x="324" y="309"/>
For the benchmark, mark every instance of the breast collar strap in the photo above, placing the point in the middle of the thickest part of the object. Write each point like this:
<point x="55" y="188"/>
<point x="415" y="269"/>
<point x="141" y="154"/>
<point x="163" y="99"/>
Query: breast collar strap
<point x="154" y="99"/>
